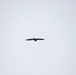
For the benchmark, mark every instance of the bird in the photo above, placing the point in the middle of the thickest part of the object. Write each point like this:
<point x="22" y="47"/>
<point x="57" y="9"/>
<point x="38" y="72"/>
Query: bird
<point x="34" y="39"/>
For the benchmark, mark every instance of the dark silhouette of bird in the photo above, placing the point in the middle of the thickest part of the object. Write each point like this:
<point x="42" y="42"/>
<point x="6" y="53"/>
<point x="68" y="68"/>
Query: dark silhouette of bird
<point x="34" y="39"/>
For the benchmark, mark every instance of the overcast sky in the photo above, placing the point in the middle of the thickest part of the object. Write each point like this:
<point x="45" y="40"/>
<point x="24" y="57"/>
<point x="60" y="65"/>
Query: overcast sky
<point x="53" y="20"/>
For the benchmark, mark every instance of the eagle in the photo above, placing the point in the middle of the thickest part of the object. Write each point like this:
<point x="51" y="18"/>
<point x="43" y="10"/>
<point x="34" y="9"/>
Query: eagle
<point x="34" y="39"/>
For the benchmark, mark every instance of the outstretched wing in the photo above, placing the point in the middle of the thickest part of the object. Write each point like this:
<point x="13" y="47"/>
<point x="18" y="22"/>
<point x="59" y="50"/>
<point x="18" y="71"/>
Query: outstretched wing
<point x="29" y="39"/>
<point x="40" y="39"/>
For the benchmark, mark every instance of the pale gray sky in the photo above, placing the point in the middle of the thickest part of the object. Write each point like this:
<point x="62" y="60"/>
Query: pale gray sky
<point x="54" y="20"/>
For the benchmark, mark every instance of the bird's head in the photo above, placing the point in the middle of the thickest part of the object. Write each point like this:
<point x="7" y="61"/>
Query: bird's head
<point x="33" y="38"/>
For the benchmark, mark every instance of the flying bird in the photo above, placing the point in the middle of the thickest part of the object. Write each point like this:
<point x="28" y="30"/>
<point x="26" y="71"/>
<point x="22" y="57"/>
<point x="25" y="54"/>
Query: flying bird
<point x="34" y="39"/>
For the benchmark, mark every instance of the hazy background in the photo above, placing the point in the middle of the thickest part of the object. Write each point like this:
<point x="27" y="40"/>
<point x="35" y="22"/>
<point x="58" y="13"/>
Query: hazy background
<point x="54" y="20"/>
